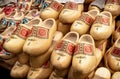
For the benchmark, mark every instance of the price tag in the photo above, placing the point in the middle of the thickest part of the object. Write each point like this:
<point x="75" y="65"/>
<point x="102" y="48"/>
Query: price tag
<point x="76" y="1"/>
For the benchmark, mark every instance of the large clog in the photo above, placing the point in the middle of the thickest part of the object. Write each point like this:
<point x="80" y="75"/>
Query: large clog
<point x="103" y="26"/>
<point x="45" y="57"/>
<point x="62" y="54"/>
<point x="84" y="59"/>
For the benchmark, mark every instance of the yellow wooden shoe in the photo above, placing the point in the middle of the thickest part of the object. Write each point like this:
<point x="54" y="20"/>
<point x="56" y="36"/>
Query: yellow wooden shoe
<point x="52" y="11"/>
<point x="111" y="57"/>
<point x="116" y="75"/>
<point x="102" y="73"/>
<point x="15" y="43"/>
<point x="113" y="6"/>
<point x="19" y="70"/>
<point x="103" y="26"/>
<point x="40" y="39"/>
<point x="45" y="57"/>
<point x="84" y="58"/>
<point x="62" y="54"/>
<point x="42" y="72"/>
<point x="83" y="24"/>
<point x="70" y="12"/>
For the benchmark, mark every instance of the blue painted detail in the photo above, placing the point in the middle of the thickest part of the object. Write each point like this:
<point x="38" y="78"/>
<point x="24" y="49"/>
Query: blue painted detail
<point x="24" y="21"/>
<point x="11" y="23"/>
<point x="3" y="23"/>
<point x="45" y="4"/>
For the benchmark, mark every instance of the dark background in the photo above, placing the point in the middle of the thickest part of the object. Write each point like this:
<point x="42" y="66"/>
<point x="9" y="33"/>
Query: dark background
<point x="4" y="73"/>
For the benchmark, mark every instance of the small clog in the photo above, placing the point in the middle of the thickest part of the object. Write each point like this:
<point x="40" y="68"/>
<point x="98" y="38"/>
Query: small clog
<point x="19" y="70"/>
<point x="112" y="56"/>
<point x="42" y="72"/>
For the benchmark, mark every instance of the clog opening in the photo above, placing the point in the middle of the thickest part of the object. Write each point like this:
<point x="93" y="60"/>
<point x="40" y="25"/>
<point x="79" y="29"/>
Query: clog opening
<point x="72" y="37"/>
<point x="87" y="38"/>
<point x="49" y="23"/>
<point x="93" y="12"/>
<point x="106" y="14"/>
<point x="34" y="22"/>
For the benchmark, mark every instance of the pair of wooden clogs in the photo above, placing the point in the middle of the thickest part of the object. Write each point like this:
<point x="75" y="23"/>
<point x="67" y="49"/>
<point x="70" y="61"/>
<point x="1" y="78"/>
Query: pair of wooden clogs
<point x="33" y="38"/>
<point x="67" y="13"/>
<point x="82" y="53"/>
<point x="102" y="24"/>
<point x="40" y="69"/>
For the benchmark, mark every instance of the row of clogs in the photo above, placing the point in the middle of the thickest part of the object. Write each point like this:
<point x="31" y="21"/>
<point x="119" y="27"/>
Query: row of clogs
<point x="35" y="41"/>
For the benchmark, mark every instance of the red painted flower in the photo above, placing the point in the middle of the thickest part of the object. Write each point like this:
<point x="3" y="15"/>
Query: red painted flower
<point x="70" y="48"/>
<point x="59" y="46"/>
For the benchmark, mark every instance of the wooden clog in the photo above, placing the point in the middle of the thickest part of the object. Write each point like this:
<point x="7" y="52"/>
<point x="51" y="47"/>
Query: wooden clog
<point x="19" y="70"/>
<point x="45" y="57"/>
<point x="83" y="24"/>
<point x="116" y="75"/>
<point x="70" y="12"/>
<point x="52" y="11"/>
<point x="41" y="37"/>
<point x="111" y="57"/>
<point x="84" y="58"/>
<point x="62" y="54"/>
<point x="103" y="26"/>
<point x="113" y="6"/>
<point x="41" y="72"/>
